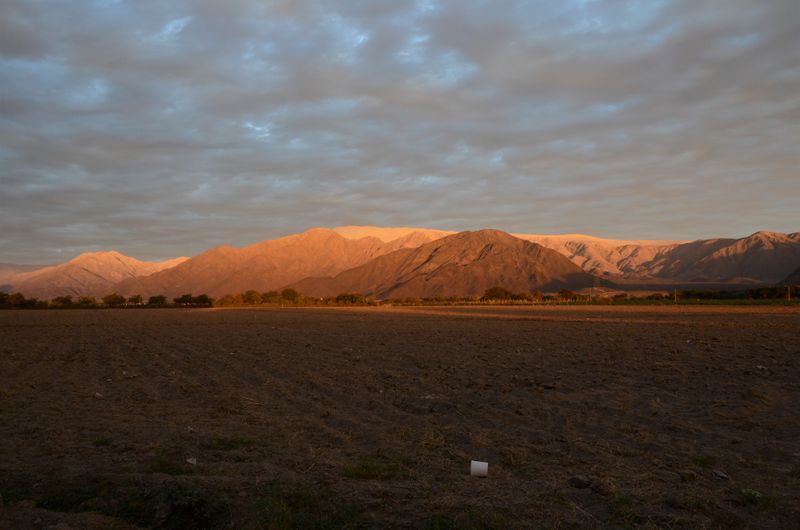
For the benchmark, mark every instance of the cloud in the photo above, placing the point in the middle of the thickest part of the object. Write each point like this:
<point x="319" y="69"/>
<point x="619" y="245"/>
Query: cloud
<point x="165" y="128"/>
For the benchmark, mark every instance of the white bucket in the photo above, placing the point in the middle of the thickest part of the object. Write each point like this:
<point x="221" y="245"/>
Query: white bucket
<point x="478" y="469"/>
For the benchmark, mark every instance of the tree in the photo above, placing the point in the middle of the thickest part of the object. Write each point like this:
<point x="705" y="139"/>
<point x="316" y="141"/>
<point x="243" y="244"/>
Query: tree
<point x="270" y="297"/>
<point x="113" y="300"/>
<point x="61" y="301"/>
<point x="251" y="297"/>
<point x="202" y="300"/>
<point x="16" y="300"/>
<point x="496" y="293"/>
<point x="135" y="300"/>
<point x="183" y="300"/>
<point x="87" y="301"/>
<point x="159" y="299"/>
<point x="290" y="294"/>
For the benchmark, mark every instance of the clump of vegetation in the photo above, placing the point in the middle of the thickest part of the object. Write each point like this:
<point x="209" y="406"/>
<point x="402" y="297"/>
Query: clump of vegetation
<point x="755" y="498"/>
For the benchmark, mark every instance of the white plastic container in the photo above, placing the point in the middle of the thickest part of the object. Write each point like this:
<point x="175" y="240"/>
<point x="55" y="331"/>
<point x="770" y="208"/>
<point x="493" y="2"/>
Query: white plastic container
<point x="478" y="469"/>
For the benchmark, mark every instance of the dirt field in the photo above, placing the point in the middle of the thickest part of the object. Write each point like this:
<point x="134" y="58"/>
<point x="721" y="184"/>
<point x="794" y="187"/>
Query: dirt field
<point x="369" y="417"/>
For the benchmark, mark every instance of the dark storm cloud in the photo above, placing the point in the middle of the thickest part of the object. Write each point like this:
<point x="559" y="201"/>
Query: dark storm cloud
<point x="162" y="128"/>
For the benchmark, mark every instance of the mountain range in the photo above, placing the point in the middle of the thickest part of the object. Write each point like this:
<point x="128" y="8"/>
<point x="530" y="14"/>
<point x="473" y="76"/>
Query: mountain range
<point x="401" y="262"/>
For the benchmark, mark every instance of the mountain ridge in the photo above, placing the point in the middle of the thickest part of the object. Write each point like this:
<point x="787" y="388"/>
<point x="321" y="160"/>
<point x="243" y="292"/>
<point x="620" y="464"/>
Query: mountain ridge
<point x="763" y="257"/>
<point x="462" y="264"/>
<point x="267" y="265"/>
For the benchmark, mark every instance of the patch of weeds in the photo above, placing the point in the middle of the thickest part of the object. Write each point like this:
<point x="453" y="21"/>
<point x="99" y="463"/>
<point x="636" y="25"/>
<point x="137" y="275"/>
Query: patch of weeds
<point x="226" y="444"/>
<point x="704" y="461"/>
<point x="754" y="498"/>
<point x="102" y="441"/>
<point x="170" y="461"/>
<point x="750" y="496"/>
<point x="376" y="468"/>
<point x="289" y="506"/>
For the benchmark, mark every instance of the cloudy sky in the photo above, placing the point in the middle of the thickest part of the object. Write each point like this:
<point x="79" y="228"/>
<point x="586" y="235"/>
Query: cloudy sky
<point x="163" y="128"/>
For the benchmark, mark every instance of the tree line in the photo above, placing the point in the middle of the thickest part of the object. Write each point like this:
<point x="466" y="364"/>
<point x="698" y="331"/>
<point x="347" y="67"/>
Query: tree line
<point x="493" y="295"/>
<point x="114" y="300"/>
<point x="290" y="296"/>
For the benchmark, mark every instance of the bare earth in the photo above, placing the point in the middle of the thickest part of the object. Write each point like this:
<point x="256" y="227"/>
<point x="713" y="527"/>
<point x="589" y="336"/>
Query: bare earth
<point x="368" y="417"/>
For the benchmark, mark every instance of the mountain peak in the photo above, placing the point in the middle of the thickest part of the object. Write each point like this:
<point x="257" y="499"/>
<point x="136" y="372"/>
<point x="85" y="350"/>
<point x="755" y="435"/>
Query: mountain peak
<point x="486" y="233"/>
<point x="90" y="273"/>
<point x="766" y="235"/>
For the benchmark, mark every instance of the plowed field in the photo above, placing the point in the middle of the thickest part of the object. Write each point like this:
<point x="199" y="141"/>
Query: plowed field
<point x="369" y="417"/>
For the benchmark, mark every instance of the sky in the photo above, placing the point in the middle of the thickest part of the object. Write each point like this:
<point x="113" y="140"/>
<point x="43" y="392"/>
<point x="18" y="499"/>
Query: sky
<point x="165" y="128"/>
